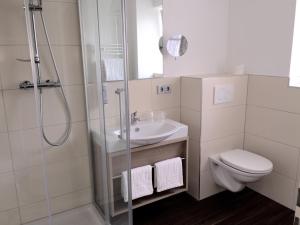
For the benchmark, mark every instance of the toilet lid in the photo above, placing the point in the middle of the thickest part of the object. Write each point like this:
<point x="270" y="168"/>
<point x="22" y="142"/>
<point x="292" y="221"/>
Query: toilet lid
<point x="246" y="161"/>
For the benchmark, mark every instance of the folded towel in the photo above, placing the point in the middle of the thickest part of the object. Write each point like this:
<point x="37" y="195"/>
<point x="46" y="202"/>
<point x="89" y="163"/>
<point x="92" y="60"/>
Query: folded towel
<point x="141" y="183"/>
<point x="114" y="69"/>
<point x="168" y="174"/>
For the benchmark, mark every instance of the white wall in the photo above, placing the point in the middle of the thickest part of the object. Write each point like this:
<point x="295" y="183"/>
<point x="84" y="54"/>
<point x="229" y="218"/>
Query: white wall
<point x="205" y="24"/>
<point x="261" y="34"/>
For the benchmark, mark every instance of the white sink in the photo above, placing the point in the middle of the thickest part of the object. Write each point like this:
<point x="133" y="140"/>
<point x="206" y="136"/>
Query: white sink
<point x="152" y="132"/>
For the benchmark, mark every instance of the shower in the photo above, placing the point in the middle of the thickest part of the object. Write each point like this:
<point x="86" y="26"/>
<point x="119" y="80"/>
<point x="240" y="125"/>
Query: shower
<point x="33" y="9"/>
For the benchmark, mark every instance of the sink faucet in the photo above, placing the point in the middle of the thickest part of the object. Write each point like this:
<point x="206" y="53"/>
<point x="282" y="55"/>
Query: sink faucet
<point x="133" y="118"/>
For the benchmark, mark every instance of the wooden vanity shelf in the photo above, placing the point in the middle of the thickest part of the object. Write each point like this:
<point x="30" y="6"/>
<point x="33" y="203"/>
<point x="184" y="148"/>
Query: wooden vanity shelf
<point x="141" y="156"/>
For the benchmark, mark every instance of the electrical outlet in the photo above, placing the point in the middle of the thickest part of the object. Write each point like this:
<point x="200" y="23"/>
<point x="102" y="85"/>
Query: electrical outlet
<point x="164" y="89"/>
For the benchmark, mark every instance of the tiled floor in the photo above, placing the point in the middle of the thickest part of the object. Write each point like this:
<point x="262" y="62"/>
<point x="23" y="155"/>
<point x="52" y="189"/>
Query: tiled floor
<point x="86" y="215"/>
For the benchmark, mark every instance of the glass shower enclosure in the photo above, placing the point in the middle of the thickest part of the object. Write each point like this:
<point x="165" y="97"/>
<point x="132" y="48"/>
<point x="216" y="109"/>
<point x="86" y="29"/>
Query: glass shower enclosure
<point x="103" y="32"/>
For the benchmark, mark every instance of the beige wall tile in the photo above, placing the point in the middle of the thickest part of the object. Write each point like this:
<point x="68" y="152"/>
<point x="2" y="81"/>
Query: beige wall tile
<point x="10" y="217"/>
<point x="140" y="95"/>
<point x="68" y="176"/>
<point x="194" y="171"/>
<point x="93" y="102"/>
<point x="69" y="63"/>
<point x="26" y="148"/>
<point x="284" y="158"/>
<point x="75" y="147"/>
<point x="240" y="90"/>
<point x="20" y="109"/>
<point x="30" y="185"/>
<point x="63" y="28"/>
<point x="165" y="101"/>
<point x="3" y="125"/>
<point x="191" y="93"/>
<point x="72" y="200"/>
<point x="5" y="158"/>
<point x="14" y="31"/>
<point x="279" y="126"/>
<point x="173" y="114"/>
<point x="273" y="92"/>
<point x="193" y="120"/>
<point x="277" y="187"/>
<point x="222" y="122"/>
<point x="12" y="71"/>
<point x="218" y="146"/>
<point x="54" y="111"/>
<point x="8" y="197"/>
<point x="112" y="108"/>
<point x="208" y="187"/>
<point x="33" y="212"/>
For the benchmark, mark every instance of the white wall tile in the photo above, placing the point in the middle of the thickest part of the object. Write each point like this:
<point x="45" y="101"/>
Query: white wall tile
<point x="284" y="157"/>
<point x="222" y="122"/>
<point x="279" y="126"/>
<point x="5" y="158"/>
<point x="277" y="187"/>
<point x="191" y="93"/>
<point x="218" y="146"/>
<point x="10" y="217"/>
<point x="273" y="92"/>
<point x="8" y="197"/>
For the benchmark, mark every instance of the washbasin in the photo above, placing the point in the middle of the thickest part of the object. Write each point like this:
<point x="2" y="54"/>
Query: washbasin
<point x="152" y="132"/>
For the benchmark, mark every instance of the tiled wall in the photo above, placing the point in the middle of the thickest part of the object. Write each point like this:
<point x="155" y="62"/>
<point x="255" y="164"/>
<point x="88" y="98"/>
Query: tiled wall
<point x="213" y="128"/>
<point x="272" y="130"/>
<point x="143" y="98"/>
<point x="22" y="194"/>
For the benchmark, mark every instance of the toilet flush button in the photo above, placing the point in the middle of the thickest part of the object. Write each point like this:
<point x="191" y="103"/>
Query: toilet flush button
<point x="223" y="94"/>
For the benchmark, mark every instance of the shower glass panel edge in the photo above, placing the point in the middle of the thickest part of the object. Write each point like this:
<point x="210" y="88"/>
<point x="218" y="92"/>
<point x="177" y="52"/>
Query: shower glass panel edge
<point x="98" y="95"/>
<point x="29" y="27"/>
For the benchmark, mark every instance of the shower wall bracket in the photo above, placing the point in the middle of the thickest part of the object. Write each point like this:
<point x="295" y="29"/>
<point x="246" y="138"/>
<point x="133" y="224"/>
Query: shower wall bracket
<point x="43" y="84"/>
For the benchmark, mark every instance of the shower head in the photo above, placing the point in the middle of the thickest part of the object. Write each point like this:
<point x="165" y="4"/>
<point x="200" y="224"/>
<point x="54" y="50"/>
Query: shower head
<point x="35" y="5"/>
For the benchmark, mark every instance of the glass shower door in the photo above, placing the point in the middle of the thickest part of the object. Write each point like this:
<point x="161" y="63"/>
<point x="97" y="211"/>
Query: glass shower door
<point x="104" y="56"/>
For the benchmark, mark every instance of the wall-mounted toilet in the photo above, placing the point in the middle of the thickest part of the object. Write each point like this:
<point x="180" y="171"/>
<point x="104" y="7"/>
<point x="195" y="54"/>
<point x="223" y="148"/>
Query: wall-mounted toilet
<point x="233" y="169"/>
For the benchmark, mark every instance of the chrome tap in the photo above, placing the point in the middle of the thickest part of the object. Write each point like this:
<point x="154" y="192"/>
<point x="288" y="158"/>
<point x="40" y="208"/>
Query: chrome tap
<point x="133" y="118"/>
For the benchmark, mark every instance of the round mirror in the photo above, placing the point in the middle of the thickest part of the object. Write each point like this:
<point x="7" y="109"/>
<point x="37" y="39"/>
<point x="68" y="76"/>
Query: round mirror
<point x="177" y="45"/>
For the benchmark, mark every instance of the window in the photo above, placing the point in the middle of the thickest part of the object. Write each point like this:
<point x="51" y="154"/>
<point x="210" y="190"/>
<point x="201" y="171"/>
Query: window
<point x="295" y="59"/>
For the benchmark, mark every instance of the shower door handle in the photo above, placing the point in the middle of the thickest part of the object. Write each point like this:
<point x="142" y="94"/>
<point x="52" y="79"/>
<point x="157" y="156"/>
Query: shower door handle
<point x="119" y="92"/>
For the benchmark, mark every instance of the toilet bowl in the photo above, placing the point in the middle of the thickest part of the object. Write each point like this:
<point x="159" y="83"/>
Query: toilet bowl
<point x="234" y="169"/>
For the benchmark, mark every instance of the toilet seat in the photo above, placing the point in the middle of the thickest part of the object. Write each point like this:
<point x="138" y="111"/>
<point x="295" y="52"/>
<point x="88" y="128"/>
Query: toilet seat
<point x="246" y="162"/>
